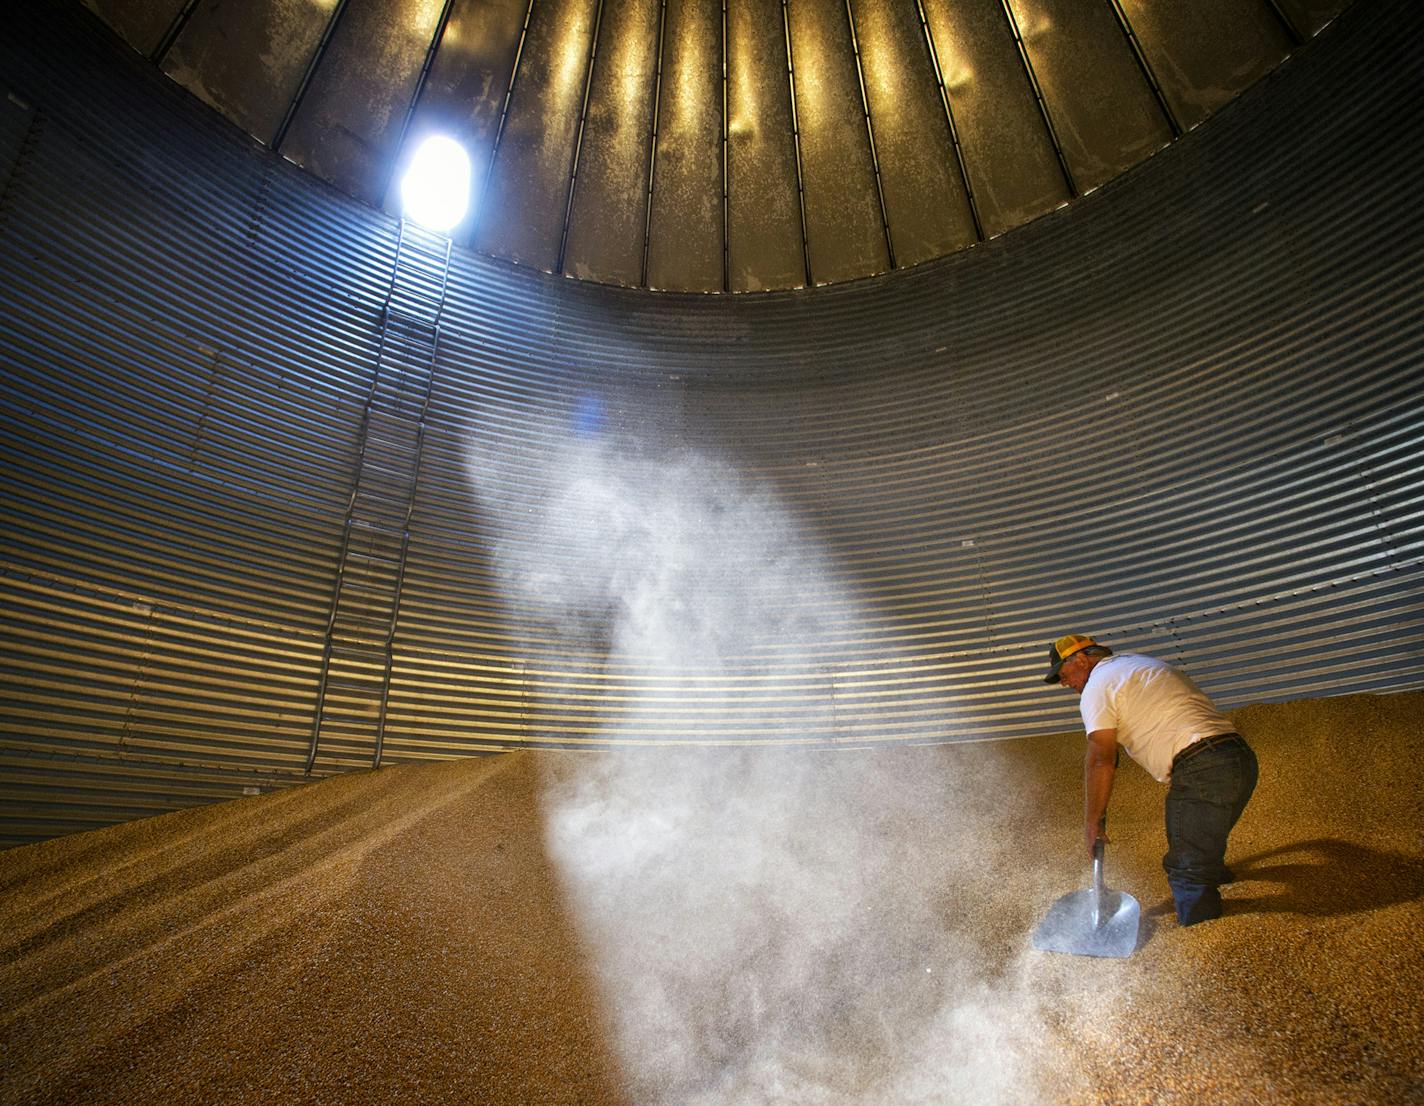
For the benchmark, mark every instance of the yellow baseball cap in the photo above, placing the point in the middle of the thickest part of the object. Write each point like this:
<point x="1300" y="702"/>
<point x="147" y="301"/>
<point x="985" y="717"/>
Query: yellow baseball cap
<point x="1061" y="650"/>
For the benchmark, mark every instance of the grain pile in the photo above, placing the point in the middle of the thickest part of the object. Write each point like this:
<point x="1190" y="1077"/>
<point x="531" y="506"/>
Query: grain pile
<point x="414" y="936"/>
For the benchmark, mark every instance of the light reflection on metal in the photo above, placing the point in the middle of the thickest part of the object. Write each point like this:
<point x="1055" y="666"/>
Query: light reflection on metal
<point x="508" y="95"/>
<point x="280" y="137"/>
<point x="742" y="88"/>
<point x="1101" y="110"/>
<point x="766" y="239"/>
<point x="686" y="238"/>
<point x="933" y="49"/>
<point x="653" y="144"/>
<point x="1192" y="57"/>
<point x="796" y="141"/>
<point x="609" y="219"/>
<point x="1027" y="63"/>
<point x="1205" y="52"/>
<point x="1146" y="67"/>
<point x="592" y="55"/>
<point x="870" y="134"/>
<point x="726" y="153"/>
<point x="1032" y="27"/>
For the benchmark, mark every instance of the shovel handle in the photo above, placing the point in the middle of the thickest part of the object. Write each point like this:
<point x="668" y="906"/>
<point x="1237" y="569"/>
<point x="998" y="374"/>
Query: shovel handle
<point x="1097" y="896"/>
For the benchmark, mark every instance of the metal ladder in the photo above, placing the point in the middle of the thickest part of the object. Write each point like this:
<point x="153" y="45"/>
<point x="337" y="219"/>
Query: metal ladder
<point x="354" y="686"/>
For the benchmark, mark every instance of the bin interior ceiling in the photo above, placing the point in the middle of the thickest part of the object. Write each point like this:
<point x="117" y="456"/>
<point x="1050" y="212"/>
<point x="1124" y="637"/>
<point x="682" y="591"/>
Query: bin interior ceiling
<point x="708" y="146"/>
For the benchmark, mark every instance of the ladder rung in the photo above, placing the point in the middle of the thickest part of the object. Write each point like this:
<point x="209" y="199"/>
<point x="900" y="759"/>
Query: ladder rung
<point x="407" y="382"/>
<point x="377" y="470"/>
<point x="413" y="349"/>
<point x="369" y="574"/>
<point x="350" y="620"/>
<point x="349" y="674"/>
<point x="407" y="441"/>
<point x="377" y="480"/>
<point x="403" y="373"/>
<point x="374" y="637"/>
<point x="383" y="512"/>
<point x="350" y="730"/>
<point x="351" y="591"/>
<point x="365" y="615"/>
<point x="391" y="453"/>
<point x="373" y="559"/>
<point x="383" y="523"/>
<point x="414" y="408"/>
<point x="417" y="282"/>
<point x="366" y="548"/>
<point x="390" y="426"/>
<point x="358" y="652"/>
<point x="368" y="495"/>
<point x="389" y="523"/>
<point x="359" y="567"/>
<point x="354" y="728"/>
<point x="412" y="290"/>
<point x="399" y="315"/>
<point x="403" y="331"/>
<point x="374" y="526"/>
<point x="375" y="689"/>
<point x="420" y="286"/>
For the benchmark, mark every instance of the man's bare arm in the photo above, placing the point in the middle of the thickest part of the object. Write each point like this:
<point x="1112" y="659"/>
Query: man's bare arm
<point x="1099" y="767"/>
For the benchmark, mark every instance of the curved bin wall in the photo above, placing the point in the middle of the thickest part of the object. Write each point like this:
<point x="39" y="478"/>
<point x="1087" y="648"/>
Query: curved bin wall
<point x="1184" y="414"/>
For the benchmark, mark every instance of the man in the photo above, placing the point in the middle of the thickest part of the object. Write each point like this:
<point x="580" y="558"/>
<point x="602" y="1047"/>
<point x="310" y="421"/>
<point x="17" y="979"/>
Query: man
<point x="1172" y="729"/>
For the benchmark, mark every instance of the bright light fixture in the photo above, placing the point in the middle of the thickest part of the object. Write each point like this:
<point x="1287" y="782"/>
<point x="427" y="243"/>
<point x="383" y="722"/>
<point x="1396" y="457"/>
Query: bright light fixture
<point x="435" y="190"/>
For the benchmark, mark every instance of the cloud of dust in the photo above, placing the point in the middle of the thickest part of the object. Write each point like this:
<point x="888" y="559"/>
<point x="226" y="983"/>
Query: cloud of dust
<point x="770" y="925"/>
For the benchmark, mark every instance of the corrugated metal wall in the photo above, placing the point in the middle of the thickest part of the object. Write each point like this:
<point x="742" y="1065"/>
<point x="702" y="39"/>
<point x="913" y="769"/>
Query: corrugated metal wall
<point x="1184" y="414"/>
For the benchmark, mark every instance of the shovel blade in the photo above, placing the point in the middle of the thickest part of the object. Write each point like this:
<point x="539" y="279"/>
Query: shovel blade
<point x="1070" y="925"/>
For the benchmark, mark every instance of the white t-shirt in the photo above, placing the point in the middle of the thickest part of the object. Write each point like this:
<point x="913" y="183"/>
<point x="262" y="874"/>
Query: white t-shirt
<point x="1156" y="710"/>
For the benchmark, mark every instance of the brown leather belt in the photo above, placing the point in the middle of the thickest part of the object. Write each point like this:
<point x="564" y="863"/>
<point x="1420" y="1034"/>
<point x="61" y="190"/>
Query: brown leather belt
<point x="1203" y="745"/>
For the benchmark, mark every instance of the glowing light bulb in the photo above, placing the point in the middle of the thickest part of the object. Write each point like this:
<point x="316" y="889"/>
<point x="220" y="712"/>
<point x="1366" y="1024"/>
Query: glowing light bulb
<point x="435" y="190"/>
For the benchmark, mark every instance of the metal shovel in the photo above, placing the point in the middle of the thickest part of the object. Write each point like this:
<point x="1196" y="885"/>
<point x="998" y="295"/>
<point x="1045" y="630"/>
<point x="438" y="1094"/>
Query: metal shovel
<point x="1095" y="922"/>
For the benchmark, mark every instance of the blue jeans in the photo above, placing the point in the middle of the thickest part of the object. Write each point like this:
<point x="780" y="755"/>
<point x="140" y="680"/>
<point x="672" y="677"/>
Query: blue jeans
<point x="1209" y="791"/>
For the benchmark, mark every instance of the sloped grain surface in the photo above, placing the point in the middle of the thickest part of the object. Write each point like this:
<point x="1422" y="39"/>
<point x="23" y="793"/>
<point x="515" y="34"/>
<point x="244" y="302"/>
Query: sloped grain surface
<point x="406" y="936"/>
